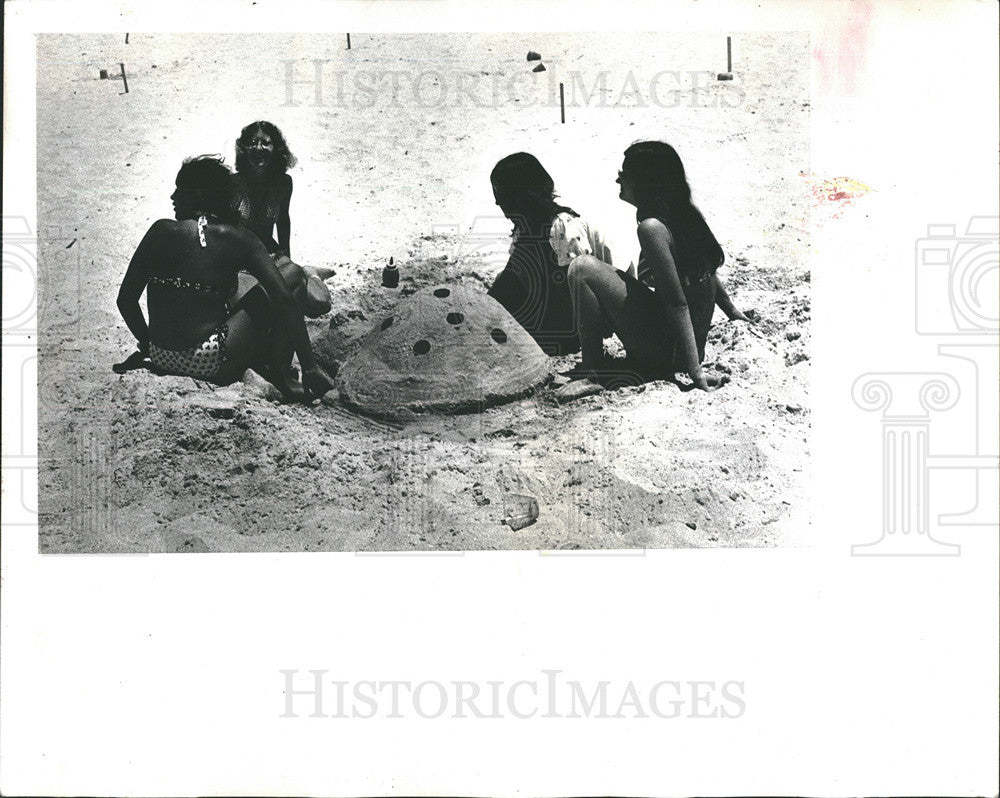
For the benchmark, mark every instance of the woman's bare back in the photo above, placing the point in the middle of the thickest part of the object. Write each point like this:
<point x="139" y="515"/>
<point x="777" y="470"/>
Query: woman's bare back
<point x="189" y="284"/>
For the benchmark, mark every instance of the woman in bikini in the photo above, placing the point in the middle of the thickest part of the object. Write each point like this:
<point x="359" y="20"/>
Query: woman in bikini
<point x="546" y="237"/>
<point x="662" y="314"/>
<point x="262" y="196"/>
<point x="188" y="267"/>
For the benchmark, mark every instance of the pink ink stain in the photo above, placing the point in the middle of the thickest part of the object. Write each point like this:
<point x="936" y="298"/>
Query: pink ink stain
<point x="841" y="53"/>
<point x="836" y="193"/>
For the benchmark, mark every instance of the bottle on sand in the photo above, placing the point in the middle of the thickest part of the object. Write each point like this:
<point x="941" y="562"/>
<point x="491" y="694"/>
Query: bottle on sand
<point x="390" y="275"/>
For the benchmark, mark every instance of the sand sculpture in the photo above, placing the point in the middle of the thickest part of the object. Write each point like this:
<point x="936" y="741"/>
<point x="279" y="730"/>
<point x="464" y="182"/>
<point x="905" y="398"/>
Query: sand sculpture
<point x="448" y="348"/>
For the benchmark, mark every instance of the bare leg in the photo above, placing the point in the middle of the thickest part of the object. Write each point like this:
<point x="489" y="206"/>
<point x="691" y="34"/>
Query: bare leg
<point x="586" y="283"/>
<point x="279" y="364"/>
<point x="600" y="304"/>
<point x="585" y="280"/>
<point x="257" y="340"/>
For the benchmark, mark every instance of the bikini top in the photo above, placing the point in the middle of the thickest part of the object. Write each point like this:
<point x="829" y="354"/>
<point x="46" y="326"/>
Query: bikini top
<point x="257" y="215"/>
<point x="190" y="285"/>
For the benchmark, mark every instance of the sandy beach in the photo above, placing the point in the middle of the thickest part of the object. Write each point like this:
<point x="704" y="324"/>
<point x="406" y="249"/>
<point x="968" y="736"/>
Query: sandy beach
<point x="395" y="140"/>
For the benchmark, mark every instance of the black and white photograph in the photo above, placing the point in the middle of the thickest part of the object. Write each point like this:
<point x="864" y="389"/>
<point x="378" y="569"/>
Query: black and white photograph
<point x="426" y="292"/>
<point x="556" y="399"/>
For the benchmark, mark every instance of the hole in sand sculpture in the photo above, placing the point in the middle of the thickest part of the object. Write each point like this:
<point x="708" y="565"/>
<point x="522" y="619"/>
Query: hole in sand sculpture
<point x="498" y="335"/>
<point x="421" y="347"/>
<point x="387" y="323"/>
<point x="455" y="318"/>
<point x="441" y="293"/>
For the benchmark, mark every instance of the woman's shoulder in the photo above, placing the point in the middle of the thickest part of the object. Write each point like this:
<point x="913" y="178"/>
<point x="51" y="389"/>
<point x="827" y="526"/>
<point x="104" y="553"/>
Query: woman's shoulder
<point x="568" y="223"/>
<point x="232" y="231"/>
<point x="165" y="227"/>
<point x="652" y="229"/>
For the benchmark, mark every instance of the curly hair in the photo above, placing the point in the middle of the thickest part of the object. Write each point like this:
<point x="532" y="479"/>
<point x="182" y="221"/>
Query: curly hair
<point x="662" y="191"/>
<point x="211" y="185"/>
<point x="283" y="159"/>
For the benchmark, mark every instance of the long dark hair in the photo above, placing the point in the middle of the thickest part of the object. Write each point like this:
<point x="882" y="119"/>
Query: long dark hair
<point x="662" y="192"/>
<point x="524" y="187"/>
<point x="211" y="185"/>
<point x="283" y="159"/>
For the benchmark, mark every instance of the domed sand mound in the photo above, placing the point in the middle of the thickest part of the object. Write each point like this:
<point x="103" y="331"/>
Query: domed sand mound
<point x="449" y="349"/>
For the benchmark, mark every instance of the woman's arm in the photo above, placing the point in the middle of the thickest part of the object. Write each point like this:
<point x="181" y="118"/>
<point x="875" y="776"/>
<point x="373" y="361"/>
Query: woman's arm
<point x="284" y="223"/>
<point x="508" y="289"/>
<point x="261" y="265"/>
<point x="726" y="304"/>
<point x="657" y="247"/>
<point x="134" y="283"/>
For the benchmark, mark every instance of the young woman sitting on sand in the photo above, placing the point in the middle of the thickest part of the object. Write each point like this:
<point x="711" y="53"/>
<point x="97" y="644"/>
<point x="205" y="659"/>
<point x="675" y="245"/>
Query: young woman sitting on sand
<point x="661" y="316"/>
<point x="188" y="268"/>
<point x="546" y="237"/>
<point x="263" y="194"/>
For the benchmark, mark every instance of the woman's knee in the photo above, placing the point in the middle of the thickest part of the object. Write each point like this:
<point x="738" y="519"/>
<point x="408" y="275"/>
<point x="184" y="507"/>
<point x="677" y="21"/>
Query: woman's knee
<point x="587" y="268"/>
<point x="293" y="274"/>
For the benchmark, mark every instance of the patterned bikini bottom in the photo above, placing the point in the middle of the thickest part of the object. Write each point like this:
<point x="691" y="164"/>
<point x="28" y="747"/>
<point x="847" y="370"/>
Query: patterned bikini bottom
<point x="202" y="362"/>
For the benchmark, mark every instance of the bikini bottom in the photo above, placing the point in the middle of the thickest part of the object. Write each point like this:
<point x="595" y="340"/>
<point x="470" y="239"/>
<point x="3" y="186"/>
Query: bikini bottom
<point x="203" y="362"/>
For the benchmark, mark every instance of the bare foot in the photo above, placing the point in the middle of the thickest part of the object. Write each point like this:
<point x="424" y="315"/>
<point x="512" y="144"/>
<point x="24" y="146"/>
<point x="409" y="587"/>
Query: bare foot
<point x="577" y="389"/>
<point x="291" y="389"/>
<point x="316" y="383"/>
<point x="322" y="272"/>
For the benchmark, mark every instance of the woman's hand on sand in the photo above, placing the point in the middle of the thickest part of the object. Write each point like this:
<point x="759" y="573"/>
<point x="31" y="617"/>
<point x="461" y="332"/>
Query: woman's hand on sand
<point x="750" y="317"/>
<point x="703" y="382"/>
<point x="740" y="316"/>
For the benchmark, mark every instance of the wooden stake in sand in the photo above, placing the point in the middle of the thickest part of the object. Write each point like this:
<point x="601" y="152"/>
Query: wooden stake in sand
<point x="126" y="38"/>
<point x="562" y="104"/>
<point x="124" y="79"/>
<point x="348" y="41"/>
<point x="728" y="74"/>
